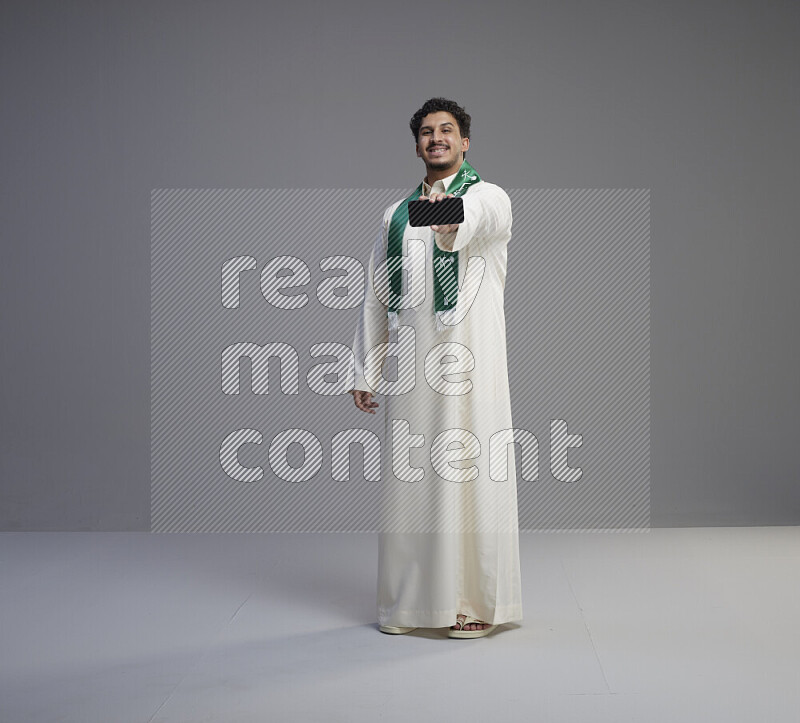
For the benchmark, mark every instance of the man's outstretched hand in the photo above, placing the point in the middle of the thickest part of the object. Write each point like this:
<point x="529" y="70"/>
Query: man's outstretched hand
<point x="363" y="400"/>
<point x="434" y="197"/>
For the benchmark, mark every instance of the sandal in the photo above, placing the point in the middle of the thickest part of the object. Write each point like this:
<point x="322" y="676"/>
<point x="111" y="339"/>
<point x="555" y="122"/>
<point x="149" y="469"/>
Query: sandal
<point x="461" y="633"/>
<point x="394" y="629"/>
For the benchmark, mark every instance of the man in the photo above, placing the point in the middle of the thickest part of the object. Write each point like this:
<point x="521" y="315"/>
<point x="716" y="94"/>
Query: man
<point x="448" y="544"/>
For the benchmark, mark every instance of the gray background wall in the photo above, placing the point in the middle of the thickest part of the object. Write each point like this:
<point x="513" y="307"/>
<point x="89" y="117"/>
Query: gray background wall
<point x="104" y="101"/>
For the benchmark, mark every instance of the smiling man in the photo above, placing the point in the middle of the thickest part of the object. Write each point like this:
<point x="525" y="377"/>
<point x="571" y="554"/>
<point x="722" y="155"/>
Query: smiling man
<point x="448" y="552"/>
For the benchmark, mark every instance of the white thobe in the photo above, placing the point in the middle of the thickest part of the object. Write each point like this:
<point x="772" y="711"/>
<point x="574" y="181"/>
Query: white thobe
<point x="448" y="542"/>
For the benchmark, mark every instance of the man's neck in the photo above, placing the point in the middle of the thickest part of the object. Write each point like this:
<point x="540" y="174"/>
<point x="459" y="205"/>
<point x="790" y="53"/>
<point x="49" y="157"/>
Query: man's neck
<point x="437" y="174"/>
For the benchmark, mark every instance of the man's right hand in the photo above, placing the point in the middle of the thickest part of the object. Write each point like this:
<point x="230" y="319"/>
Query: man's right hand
<point x="363" y="400"/>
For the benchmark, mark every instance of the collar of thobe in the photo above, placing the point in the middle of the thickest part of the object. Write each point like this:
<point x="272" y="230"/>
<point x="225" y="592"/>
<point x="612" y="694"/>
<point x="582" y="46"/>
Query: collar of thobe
<point x="445" y="263"/>
<point x="444" y="182"/>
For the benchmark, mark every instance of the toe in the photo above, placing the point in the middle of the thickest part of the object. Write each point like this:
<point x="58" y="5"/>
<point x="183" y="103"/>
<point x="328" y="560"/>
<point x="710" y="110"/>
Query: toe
<point x="459" y="622"/>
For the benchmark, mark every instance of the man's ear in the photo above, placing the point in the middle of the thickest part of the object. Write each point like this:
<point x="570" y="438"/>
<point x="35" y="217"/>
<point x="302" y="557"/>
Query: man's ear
<point x="417" y="147"/>
<point x="465" y="144"/>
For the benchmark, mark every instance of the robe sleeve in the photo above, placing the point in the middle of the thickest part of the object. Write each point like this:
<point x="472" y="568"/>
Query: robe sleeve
<point x="372" y="327"/>
<point x="487" y="214"/>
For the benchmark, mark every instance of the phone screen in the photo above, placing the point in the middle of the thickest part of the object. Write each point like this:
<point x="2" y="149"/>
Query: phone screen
<point x="438" y="213"/>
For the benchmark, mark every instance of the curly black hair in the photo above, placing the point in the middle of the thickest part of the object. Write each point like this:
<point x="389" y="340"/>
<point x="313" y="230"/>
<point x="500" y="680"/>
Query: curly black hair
<point x="433" y="106"/>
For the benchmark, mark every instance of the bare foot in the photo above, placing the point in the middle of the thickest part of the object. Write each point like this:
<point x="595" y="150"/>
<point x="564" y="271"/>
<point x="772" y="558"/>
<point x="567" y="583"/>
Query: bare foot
<point x="471" y="626"/>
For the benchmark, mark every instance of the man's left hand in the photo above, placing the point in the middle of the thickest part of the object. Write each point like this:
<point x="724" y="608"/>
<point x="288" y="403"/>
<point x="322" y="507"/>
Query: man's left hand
<point x="434" y="197"/>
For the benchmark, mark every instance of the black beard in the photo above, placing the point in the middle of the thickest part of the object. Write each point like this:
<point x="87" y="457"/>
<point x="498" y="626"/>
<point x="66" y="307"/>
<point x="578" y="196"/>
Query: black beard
<point x="439" y="165"/>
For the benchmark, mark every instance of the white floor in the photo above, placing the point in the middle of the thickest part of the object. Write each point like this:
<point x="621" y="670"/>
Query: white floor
<point x="668" y="625"/>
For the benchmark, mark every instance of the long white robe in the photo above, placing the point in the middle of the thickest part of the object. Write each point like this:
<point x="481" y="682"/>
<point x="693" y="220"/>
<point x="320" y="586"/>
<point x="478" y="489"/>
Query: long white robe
<point x="448" y="542"/>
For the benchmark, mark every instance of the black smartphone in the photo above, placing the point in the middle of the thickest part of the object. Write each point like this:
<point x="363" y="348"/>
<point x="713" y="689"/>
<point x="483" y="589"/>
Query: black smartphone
<point x="438" y="213"/>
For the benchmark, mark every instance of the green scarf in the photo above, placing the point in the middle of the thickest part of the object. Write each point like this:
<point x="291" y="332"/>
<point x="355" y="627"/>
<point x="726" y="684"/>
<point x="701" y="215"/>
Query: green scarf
<point x="445" y="263"/>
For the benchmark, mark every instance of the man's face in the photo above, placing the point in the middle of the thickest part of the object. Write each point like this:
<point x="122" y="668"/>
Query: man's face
<point x="439" y="142"/>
